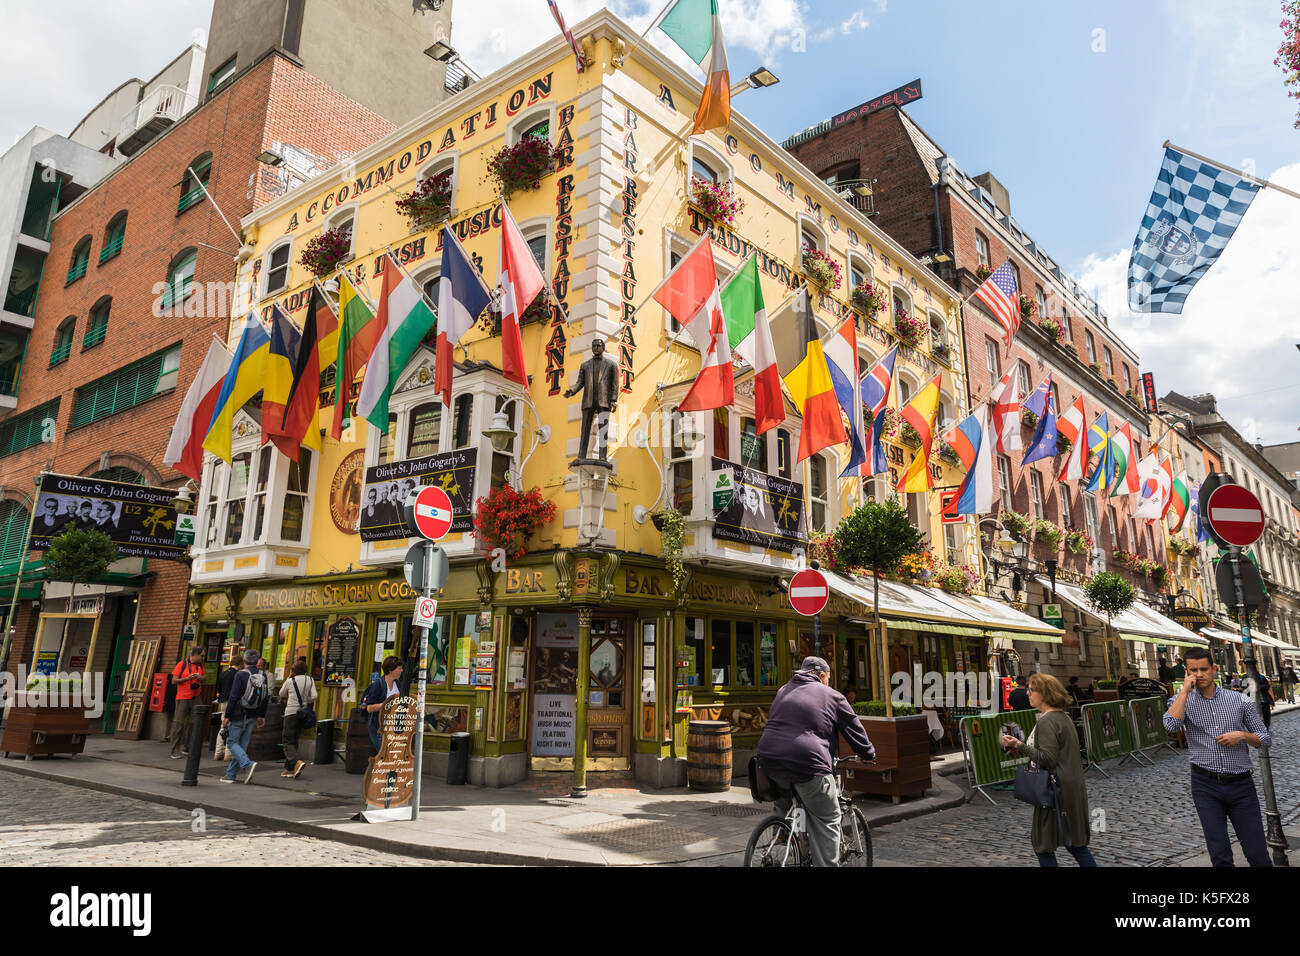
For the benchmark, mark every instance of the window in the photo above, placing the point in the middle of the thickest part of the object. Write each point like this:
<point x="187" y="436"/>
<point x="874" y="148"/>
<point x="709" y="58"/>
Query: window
<point x="541" y="129"/>
<point x="63" y="340"/>
<point x="982" y="249"/>
<point x="97" y="328"/>
<point x="810" y="239"/>
<point x="212" y="480"/>
<point x="127" y="476"/>
<point x="1004" y="482"/>
<point x="904" y="392"/>
<point x="936" y="331"/>
<point x="277" y="268"/>
<point x="720" y="652"/>
<point x="80" y="259"/>
<point x="503" y="463"/>
<point x="859" y="272"/>
<point x="721" y="433"/>
<point x="29" y="428"/>
<point x="1040" y="299"/>
<point x="1091" y="347"/>
<point x="194" y="182"/>
<point x="753" y="446"/>
<point x="221" y="76"/>
<point x="991" y="360"/>
<point x="1151" y="545"/>
<point x="702" y="169"/>
<point x="127" y="387"/>
<point x="295" y="499"/>
<point x="818" y="498"/>
<point x="841" y="174"/>
<point x="13" y="532"/>
<point x="782" y="453"/>
<point x="344" y="220"/>
<point x="1109" y="363"/>
<point x="464" y="413"/>
<point x="113" y="237"/>
<point x="679" y="463"/>
<point x="1036" y="493"/>
<point x="952" y="544"/>
<point x="388" y="441"/>
<point x="1128" y="379"/>
<point x="1065" y="326"/>
<point x="674" y="257"/>
<point x="424" y="430"/>
<point x="1063" y="490"/>
<point x="744" y="653"/>
<point x="259" y="491"/>
<point x="1022" y="373"/>
<point x="180" y="279"/>
<point x="236" y="489"/>
<point x="1091" y="519"/>
<point x="1114" y="527"/>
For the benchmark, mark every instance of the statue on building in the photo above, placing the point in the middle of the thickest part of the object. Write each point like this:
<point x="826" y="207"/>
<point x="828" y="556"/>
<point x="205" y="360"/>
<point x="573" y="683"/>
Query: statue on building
<point x="598" y="382"/>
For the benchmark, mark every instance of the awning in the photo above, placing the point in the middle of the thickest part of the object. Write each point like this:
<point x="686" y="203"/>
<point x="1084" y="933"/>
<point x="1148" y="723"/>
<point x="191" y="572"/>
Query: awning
<point x="1219" y="635"/>
<point x="1039" y="636"/>
<point x="1268" y="640"/>
<point x="1137" y="623"/>
<point x="931" y="627"/>
<point x="1003" y="618"/>
<point x="1168" y="643"/>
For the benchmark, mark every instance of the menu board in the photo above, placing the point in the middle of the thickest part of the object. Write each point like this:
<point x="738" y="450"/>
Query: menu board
<point x="341" y="651"/>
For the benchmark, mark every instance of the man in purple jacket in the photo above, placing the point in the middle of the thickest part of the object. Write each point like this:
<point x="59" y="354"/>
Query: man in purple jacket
<point x="795" y="750"/>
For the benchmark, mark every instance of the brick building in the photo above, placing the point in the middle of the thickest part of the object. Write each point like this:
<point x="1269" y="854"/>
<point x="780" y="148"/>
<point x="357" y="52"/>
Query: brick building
<point x="959" y="225"/>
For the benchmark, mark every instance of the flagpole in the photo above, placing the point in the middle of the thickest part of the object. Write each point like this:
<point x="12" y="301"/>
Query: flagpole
<point x="406" y="275"/>
<point x="653" y="23"/>
<point x="204" y="186"/>
<point x="1246" y="176"/>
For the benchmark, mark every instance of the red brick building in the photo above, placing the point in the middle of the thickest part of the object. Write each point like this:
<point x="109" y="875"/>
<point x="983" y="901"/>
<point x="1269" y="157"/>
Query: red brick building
<point x="888" y="166"/>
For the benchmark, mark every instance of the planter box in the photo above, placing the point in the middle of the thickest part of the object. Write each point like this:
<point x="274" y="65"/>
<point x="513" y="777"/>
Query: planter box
<point x="902" y="766"/>
<point x="1100" y="694"/>
<point x="43" y="731"/>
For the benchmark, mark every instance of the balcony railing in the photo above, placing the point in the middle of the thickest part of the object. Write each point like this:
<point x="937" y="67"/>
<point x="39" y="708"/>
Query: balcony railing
<point x="160" y="108"/>
<point x="95" y="334"/>
<point x="78" y="269"/>
<point x="112" y="249"/>
<point x="858" y="194"/>
<point x="457" y="79"/>
<point x="61" y="353"/>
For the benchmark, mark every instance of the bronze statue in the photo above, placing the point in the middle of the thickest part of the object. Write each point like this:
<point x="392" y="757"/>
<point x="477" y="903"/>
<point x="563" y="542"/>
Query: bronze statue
<point x="598" y="382"/>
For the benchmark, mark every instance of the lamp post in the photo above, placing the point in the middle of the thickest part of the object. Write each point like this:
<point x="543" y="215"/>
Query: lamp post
<point x="502" y="435"/>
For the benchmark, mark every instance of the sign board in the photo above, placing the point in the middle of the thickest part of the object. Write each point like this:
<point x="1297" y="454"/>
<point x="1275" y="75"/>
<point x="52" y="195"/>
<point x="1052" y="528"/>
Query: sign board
<point x="1143" y="687"/>
<point x="765" y="510"/>
<point x="723" y="488"/>
<point x="426" y="567"/>
<point x="429" y="513"/>
<point x="945" y="499"/>
<point x="990" y="763"/>
<point x="908" y="93"/>
<point x="1252" y="587"/>
<point x="390" y="776"/>
<point x="1107" y="729"/>
<point x="184" y="529"/>
<point x="1053" y="615"/>
<point x="139" y="519"/>
<point x="1235" y="515"/>
<point x="1149" y="393"/>
<point x="809" y="592"/>
<point x="341" y="651"/>
<point x="1148" y="719"/>
<point x="1192" y="618"/>
<point x="383" y="497"/>
<point x="426" y="612"/>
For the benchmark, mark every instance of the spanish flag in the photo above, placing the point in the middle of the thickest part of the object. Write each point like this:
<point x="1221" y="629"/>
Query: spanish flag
<point x="813" y="392"/>
<point x="920" y="413"/>
<point x="244" y="379"/>
<point x="694" y="25"/>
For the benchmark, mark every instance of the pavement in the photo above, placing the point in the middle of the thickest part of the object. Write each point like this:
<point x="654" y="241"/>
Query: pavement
<point x="621" y="823"/>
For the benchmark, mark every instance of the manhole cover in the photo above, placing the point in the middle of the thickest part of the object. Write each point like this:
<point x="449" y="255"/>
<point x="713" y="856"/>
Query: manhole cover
<point x="736" y="810"/>
<point x="639" y="835"/>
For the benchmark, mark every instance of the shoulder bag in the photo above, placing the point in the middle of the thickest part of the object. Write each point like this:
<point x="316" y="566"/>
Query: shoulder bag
<point x="306" y="712"/>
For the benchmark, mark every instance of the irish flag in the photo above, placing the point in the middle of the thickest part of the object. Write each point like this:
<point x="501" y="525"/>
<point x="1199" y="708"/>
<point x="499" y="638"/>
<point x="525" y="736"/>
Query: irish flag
<point x="694" y="25"/>
<point x="403" y="320"/>
<point x="356" y="338"/>
<point x="185" y="447"/>
<point x="745" y="313"/>
<point x="1179" y="502"/>
<point x="691" y="295"/>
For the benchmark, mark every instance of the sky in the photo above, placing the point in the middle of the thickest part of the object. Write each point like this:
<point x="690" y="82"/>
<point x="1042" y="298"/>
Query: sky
<point x="1066" y="104"/>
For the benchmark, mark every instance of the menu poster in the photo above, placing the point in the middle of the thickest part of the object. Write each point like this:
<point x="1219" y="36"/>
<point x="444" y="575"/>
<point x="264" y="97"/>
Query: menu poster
<point x="383" y="500"/>
<point x="484" y="664"/>
<point x="516" y="679"/>
<point x="554" y="719"/>
<point x="341" y="651"/>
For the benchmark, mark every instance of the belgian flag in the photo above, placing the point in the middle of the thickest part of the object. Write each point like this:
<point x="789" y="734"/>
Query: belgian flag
<point x="812" y="390"/>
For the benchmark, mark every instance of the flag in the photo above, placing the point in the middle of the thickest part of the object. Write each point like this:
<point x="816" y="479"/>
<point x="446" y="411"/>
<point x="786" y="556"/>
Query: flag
<point x="1125" y="461"/>
<point x="694" y="25"/>
<point x="875" y="387"/>
<point x="1006" y="414"/>
<point x="356" y="340"/>
<point x="744" y="311"/>
<point x="404" y="319"/>
<point x="302" y="410"/>
<point x="1037" y="400"/>
<point x="327" y="326"/>
<point x="691" y="295"/>
<point x="1180" y="501"/>
<point x="1153" y="488"/>
<point x="1168" y="486"/>
<point x="842" y="362"/>
<point x="461" y="297"/>
<point x="1193" y="211"/>
<point x="999" y="293"/>
<point x="1098" y="443"/>
<point x="971" y="440"/>
<point x="568" y="35"/>
<point x="243" y="380"/>
<point x="812" y="390"/>
<point x="920" y="413"/>
<point x="281" y="356"/>
<point x="185" y="447"/>
<point x="521" y="281"/>
<point x="1202" y="533"/>
<point x="1071" y="426"/>
<point x="1043" y="443"/>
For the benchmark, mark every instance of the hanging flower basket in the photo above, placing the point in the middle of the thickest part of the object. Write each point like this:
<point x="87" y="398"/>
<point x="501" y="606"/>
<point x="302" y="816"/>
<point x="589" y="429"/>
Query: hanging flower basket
<point x="982" y="272"/>
<point x="1063" y="444"/>
<point x="820" y="269"/>
<point x="1078" y="542"/>
<point x="1048" y="534"/>
<point x="1029" y="418"/>
<point x="324" y="253"/>
<point x="1160" y="576"/>
<point x="1015" y="523"/>
<point x="956" y="578"/>
<point x="889" y="425"/>
<point x="506" y="518"/>
<point x="718" y="200"/>
<point x="671" y="526"/>
<point x="1028" y="308"/>
<point x="428" y="203"/>
<point x="1054" y="330"/>
<point x="910" y="436"/>
<point x="910" y="329"/>
<point x="524" y="165"/>
<point x="867" y="299"/>
<point x="821" y="548"/>
<point x="946" y="453"/>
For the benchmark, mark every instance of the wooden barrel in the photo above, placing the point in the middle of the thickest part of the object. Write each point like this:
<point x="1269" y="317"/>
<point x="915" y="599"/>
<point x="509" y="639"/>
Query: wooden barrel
<point x="708" y="756"/>
<point x="359" y="749"/>
<point x="265" y="744"/>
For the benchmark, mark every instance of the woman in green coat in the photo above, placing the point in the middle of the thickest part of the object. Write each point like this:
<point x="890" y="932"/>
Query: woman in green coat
<point x="1054" y="743"/>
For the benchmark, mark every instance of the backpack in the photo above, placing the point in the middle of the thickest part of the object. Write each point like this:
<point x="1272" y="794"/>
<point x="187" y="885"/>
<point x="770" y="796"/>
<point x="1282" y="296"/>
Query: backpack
<point x="254" y="696"/>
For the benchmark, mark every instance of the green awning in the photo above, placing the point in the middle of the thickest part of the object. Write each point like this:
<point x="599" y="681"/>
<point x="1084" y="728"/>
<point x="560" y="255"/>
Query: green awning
<point x="1159" y="641"/>
<point x="933" y="627"/>
<point x="1026" y="636"/>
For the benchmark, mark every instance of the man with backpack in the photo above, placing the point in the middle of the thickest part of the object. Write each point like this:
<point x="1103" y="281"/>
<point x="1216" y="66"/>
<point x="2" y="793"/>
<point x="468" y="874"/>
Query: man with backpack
<point x="245" y="712"/>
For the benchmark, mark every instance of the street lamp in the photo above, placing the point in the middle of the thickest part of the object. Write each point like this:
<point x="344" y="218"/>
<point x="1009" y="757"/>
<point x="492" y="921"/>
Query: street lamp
<point x="442" y="51"/>
<point x="502" y="435"/>
<point x="183" y="502"/>
<point x="762" y="77"/>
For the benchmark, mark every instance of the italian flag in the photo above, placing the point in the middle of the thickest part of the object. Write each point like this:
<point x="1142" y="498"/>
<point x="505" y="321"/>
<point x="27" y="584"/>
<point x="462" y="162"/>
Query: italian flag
<point x="1121" y="443"/>
<point x="356" y="338"/>
<point x="1179" y="502"/>
<point x="694" y="25"/>
<point x="402" y="322"/>
<point x="745" y="313"/>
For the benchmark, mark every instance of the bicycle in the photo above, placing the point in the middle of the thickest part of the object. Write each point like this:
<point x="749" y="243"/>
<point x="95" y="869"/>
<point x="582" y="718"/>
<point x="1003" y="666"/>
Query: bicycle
<point x="783" y="840"/>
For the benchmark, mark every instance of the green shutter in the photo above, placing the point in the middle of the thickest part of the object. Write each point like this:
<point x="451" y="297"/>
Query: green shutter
<point x="24" y="431"/>
<point x="123" y="389"/>
<point x="13" y="531"/>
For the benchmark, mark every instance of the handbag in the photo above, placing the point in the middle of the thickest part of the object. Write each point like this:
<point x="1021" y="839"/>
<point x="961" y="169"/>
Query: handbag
<point x="306" y="712"/>
<point x="1036" y="785"/>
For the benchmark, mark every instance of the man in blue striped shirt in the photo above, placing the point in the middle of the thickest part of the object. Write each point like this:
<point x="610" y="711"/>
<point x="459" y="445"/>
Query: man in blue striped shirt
<point x="1219" y="723"/>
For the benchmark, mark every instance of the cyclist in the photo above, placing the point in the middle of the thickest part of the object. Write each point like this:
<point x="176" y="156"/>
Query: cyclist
<point x="795" y="750"/>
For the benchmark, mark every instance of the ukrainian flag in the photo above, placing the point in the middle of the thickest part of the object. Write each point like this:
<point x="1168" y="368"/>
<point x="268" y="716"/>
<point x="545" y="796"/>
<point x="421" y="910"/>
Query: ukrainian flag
<point x="244" y="379"/>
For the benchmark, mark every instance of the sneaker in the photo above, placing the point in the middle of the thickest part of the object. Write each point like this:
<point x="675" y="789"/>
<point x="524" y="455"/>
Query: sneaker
<point x="175" y="756"/>
<point x="297" y="769"/>
<point x="286" y="773"/>
<point x="226" y="780"/>
<point x="249" y="776"/>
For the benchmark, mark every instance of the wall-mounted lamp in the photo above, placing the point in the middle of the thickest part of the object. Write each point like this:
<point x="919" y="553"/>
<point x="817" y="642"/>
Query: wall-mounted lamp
<point x="269" y="157"/>
<point x="442" y="51"/>
<point x="762" y="77"/>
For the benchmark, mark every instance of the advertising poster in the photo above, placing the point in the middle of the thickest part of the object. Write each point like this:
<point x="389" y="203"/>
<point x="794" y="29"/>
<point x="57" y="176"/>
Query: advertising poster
<point x="1149" y="722"/>
<point x="139" y="519"/>
<point x="765" y="510"/>
<point x="992" y="763"/>
<point x="1109" y="732"/>
<point x="554" y="719"/>
<point x="555" y="683"/>
<point x="387" y="487"/>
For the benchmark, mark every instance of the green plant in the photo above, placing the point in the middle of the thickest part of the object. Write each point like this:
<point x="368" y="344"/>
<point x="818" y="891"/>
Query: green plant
<point x="78" y="556"/>
<point x="1160" y="577"/>
<point x="322" y="254"/>
<point x="956" y="578"/>
<point x="821" y="548"/>
<point x="909" y="435"/>
<point x="1029" y="418"/>
<point x="523" y="165"/>
<point x="1108" y="683"/>
<point x="1045" y="532"/>
<point x="910" y="329"/>
<point x="867" y="299"/>
<point x="1063" y="443"/>
<point x="820" y="269"/>
<point x="877" y="708"/>
<point x="982" y="272"/>
<point x="428" y="202"/>
<point x="672" y="531"/>
<point x="718" y="201"/>
<point x="507" y="516"/>
<point x="1110" y="594"/>
<point x="1015" y="522"/>
<point x="1028" y="308"/>
<point x="1078" y="542"/>
<point x="1054" y="329"/>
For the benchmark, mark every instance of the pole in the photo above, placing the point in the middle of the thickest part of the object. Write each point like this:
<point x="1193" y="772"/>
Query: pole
<point x="10" y="624"/>
<point x="420" y="687"/>
<point x="1272" y="819"/>
<point x="1232" y="169"/>
<point x="198" y="740"/>
<point x="580" y="716"/>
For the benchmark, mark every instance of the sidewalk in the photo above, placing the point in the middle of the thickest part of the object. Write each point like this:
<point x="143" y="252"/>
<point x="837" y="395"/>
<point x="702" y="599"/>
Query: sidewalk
<point x="534" y="823"/>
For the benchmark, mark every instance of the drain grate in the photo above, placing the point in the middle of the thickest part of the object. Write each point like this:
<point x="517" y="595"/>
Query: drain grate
<point x="639" y="835"/>
<point x="736" y="810"/>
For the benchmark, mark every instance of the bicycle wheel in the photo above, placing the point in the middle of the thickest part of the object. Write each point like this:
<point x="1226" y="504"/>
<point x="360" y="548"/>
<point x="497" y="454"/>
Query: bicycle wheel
<point x="855" y="839"/>
<point x="771" y="845"/>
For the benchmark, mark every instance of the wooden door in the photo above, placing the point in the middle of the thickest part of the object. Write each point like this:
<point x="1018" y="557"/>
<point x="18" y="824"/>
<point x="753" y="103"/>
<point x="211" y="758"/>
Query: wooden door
<point x="609" y="702"/>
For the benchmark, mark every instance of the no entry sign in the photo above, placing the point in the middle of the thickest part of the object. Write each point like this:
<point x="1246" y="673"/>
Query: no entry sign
<point x="428" y="512"/>
<point x="809" y="592"/>
<point x="1236" y="515"/>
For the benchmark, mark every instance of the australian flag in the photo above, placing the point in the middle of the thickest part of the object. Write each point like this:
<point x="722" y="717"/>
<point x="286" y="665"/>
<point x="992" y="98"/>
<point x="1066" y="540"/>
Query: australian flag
<point x="875" y="398"/>
<point x="1193" y="212"/>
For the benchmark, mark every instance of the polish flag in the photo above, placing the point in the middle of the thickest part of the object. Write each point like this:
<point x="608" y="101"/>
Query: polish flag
<point x="1072" y="426"/>
<point x="185" y="449"/>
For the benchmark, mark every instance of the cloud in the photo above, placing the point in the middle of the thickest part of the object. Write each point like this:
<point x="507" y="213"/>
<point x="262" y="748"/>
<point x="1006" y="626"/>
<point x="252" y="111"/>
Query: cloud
<point x="856" y="22"/>
<point x="1237" y="333"/>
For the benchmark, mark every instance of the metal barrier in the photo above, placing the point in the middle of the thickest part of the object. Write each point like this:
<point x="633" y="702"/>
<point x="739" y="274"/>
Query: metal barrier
<point x="981" y="738"/>
<point x="1148" y="720"/>
<point x="1107" y="732"/>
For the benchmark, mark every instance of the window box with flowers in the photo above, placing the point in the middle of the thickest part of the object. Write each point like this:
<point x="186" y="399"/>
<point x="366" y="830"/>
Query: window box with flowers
<point x="1126" y="559"/>
<point x="889" y="425"/>
<point x="909" y="328"/>
<point x="1095" y="366"/>
<point x="1160" y="577"/>
<point x="1133" y="397"/>
<point x="821" y="548"/>
<point x="1048" y="534"/>
<point x="1054" y="330"/>
<point x="943" y="352"/>
<point x="982" y="272"/>
<point x="1078" y="542"/>
<point x="946" y="453"/>
<point x="524" y="165"/>
<point x="917" y="566"/>
<point x="323" y="254"/>
<point x="1029" y="418"/>
<point x="1028" y="308"/>
<point x="820" y="269"/>
<point x="507" y="517"/>
<point x="956" y="578"/>
<point x="428" y="203"/>
<point x="717" y="200"/>
<point x="1017" y="524"/>
<point x="867" y="299"/>
<point x="909" y="435"/>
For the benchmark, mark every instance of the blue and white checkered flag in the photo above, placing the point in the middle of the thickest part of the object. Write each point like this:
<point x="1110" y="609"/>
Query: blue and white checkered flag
<point x="1193" y="212"/>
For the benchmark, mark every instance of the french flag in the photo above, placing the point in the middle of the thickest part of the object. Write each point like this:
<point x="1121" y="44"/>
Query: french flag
<point x="875" y="387"/>
<point x="974" y="446"/>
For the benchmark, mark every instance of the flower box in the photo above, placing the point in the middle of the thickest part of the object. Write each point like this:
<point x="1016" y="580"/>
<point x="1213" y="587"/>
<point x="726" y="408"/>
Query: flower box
<point x="524" y="165"/>
<point x="909" y="328"/>
<point x="428" y="203"/>
<point x="323" y="254"/>
<point x="820" y="269"/>
<point x="867" y="299"/>
<point x="902" y="764"/>
<point x="718" y="200"/>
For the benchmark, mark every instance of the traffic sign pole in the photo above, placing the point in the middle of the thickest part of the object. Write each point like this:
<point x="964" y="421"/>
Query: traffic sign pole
<point x="1272" y="819"/>
<point x="419" y="694"/>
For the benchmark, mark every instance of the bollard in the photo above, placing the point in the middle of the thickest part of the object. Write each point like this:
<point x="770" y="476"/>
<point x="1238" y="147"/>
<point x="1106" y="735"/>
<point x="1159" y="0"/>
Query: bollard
<point x="198" y="731"/>
<point x="324" y="741"/>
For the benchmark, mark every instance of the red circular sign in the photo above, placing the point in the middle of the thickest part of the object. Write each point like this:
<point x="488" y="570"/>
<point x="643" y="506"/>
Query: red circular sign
<point x="429" y="512"/>
<point x="1235" y="515"/>
<point x="809" y="592"/>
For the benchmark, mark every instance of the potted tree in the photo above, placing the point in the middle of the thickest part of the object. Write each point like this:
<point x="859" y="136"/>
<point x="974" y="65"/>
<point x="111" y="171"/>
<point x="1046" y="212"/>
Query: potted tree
<point x="1110" y="594"/>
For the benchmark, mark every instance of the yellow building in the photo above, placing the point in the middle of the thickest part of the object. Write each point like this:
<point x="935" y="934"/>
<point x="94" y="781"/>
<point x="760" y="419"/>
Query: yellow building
<point x="280" y="563"/>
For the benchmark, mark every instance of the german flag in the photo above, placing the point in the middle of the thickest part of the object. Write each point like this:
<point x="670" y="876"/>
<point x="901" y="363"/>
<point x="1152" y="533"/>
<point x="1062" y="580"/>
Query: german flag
<point x="813" y="391"/>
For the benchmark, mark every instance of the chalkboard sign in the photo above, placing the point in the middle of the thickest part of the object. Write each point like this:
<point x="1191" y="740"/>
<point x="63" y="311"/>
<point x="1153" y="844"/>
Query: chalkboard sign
<point x="1143" y="687"/>
<point x="341" y="651"/>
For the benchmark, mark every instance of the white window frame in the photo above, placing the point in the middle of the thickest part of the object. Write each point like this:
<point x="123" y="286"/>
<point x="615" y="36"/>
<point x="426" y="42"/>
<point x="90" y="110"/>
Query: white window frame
<point x="710" y="157"/>
<point x="937" y="325"/>
<point x="1024" y="378"/>
<point x="860" y="262"/>
<point x="1090" y="346"/>
<point x="528" y="119"/>
<point x="992" y="363"/>
<point x="540" y="226"/>
<point x="1063" y="492"/>
<point x="1036" y="494"/>
<point x="351" y="209"/>
<point x="1004" y="483"/>
<point x="983" y="251"/>
<point x="441" y="163"/>
<point x="830" y="503"/>
<point x="288" y="267"/>
<point x="805" y="222"/>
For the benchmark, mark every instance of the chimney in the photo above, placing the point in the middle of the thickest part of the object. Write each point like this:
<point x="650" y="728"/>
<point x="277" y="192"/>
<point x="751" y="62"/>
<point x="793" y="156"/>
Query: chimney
<point x="999" y="192"/>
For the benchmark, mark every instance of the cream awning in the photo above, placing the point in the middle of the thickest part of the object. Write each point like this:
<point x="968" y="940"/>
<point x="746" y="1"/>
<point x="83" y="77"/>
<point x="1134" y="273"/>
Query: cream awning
<point x="1138" y="623"/>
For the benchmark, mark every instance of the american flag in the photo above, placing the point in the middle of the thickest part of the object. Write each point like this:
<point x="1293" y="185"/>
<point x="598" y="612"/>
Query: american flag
<point x="999" y="293"/>
<point x="568" y="34"/>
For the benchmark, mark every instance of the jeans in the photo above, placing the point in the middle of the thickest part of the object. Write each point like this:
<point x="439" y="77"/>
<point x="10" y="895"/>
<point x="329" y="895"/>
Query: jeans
<point x="374" y="738"/>
<point x="1081" y="854"/>
<point x="820" y="797"/>
<point x="180" y="724"/>
<point x="1218" y="802"/>
<point x="241" y="732"/>
<point x="289" y="738"/>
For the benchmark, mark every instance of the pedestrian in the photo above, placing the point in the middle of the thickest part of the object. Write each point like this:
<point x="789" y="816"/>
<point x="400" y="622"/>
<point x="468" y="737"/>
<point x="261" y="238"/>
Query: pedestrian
<point x="245" y="712"/>
<point x="1054" y="745"/>
<point x="224" y="683"/>
<point x="378" y="692"/>
<point x="1165" y="673"/>
<point x="1179" y="669"/>
<point x="265" y="668"/>
<point x="298" y="693"/>
<point x="1074" y="690"/>
<point x="1219" y="725"/>
<point x="187" y="675"/>
<point x="1264" y="689"/>
<point x="1288" y="683"/>
<point x="1019" y="697"/>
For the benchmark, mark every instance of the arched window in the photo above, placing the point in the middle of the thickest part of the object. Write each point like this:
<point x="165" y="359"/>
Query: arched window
<point x="120" y="473"/>
<point x="702" y="169"/>
<point x="535" y="125"/>
<point x="193" y="183"/>
<point x="424" y="430"/>
<point x="13" y="532"/>
<point x="901" y="300"/>
<point x="443" y="173"/>
<point x="859" y="271"/>
<point x="114" y="234"/>
<point x="63" y="340"/>
<point x="80" y="259"/>
<point x="97" y="328"/>
<point x="277" y="267"/>
<point x="345" y="220"/>
<point x="180" y="278"/>
<point x="811" y="237"/>
<point x="937" y="336"/>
